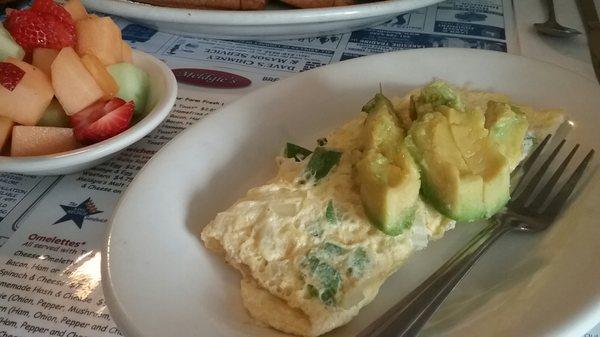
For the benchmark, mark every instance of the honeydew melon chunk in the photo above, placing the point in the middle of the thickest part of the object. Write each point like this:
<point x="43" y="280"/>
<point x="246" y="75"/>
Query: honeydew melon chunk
<point x="43" y="58"/>
<point x="6" y="126"/>
<point x="28" y="101"/>
<point x="54" y="116"/>
<point x="134" y="84"/>
<point x="8" y="46"/>
<point x="75" y="87"/>
<point x="41" y="140"/>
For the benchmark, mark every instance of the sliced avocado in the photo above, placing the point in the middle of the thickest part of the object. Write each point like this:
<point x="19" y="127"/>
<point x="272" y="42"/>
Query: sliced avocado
<point x="447" y="180"/>
<point x="386" y="173"/>
<point x="508" y="127"/>
<point x="8" y="46"/>
<point x="435" y="94"/>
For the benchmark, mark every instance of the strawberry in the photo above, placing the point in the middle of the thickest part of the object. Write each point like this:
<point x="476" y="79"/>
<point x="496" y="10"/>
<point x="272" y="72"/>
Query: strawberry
<point x="102" y="120"/>
<point x="94" y="112"/>
<point x="54" y="9"/>
<point x="10" y="75"/>
<point x="42" y="25"/>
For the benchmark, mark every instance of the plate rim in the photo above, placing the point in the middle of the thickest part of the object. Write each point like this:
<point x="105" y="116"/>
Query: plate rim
<point x="115" y="306"/>
<point x="275" y="17"/>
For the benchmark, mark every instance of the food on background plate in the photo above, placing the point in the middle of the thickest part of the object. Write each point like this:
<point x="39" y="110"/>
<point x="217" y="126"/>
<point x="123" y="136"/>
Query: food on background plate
<point x="66" y="80"/>
<point x="315" y="243"/>
<point x="244" y="4"/>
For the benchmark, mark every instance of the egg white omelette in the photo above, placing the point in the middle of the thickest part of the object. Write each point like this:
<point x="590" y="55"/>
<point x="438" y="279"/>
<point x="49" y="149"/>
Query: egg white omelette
<point x="309" y="256"/>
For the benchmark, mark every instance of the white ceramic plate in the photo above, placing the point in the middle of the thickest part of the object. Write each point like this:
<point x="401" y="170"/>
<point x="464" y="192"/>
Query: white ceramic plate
<point x="276" y="22"/>
<point x="159" y="280"/>
<point x="163" y="91"/>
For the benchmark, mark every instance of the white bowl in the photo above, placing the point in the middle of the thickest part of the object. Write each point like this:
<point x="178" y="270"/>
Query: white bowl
<point x="163" y="91"/>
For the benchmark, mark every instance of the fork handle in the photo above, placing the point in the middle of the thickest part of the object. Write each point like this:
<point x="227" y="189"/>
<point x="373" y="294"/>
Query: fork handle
<point x="408" y="316"/>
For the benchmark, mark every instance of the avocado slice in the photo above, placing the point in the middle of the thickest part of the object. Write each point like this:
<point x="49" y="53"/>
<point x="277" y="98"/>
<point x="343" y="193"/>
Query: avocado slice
<point x="508" y="127"/>
<point x="386" y="173"/>
<point x="481" y="155"/>
<point x="435" y="94"/>
<point x="447" y="181"/>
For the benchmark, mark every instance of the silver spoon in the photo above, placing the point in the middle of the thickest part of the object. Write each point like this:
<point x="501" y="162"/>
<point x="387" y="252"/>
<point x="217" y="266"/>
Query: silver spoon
<point x="552" y="27"/>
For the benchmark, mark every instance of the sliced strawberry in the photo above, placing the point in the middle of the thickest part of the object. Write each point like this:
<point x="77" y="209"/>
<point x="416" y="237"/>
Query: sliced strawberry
<point x="108" y="126"/>
<point x="88" y="115"/>
<point x="32" y="29"/>
<point x="10" y="75"/>
<point x="52" y="8"/>
<point x="94" y="112"/>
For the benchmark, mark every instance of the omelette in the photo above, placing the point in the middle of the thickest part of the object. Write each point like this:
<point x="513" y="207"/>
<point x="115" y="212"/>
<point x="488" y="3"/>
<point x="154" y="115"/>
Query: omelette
<point x="308" y="251"/>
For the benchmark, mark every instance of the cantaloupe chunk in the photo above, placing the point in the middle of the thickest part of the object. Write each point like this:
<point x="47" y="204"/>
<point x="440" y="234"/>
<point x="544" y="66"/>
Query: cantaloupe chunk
<point x="43" y="58"/>
<point x="74" y="86"/>
<point x="127" y="53"/>
<point x="101" y="75"/>
<point x="76" y="9"/>
<point x="26" y="103"/>
<point x="6" y="126"/>
<point x="41" y="140"/>
<point x="101" y="37"/>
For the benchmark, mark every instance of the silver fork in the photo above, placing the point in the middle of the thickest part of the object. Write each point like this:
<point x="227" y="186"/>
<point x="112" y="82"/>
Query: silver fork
<point x="522" y="214"/>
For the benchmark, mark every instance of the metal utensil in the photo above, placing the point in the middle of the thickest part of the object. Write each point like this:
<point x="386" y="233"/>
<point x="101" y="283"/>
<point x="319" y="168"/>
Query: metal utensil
<point x="521" y="214"/>
<point x="552" y="27"/>
<point x="587" y="9"/>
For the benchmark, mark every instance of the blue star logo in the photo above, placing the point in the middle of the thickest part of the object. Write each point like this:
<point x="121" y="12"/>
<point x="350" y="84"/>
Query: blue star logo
<point x="78" y="213"/>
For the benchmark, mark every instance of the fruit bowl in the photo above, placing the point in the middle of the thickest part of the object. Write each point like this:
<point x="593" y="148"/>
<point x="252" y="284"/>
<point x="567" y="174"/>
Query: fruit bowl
<point x="163" y="91"/>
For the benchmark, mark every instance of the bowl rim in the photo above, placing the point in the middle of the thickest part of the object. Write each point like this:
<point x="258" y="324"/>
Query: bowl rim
<point x="112" y="145"/>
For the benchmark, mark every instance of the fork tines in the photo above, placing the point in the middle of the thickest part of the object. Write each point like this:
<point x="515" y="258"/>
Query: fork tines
<point x="555" y="205"/>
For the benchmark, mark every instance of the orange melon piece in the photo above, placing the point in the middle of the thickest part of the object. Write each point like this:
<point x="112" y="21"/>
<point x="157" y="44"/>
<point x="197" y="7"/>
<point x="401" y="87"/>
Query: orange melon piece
<point x="41" y="140"/>
<point x="101" y="37"/>
<point x="42" y="59"/>
<point x="127" y="53"/>
<point x="76" y="9"/>
<point x="73" y="84"/>
<point x="101" y="75"/>
<point x="26" y="103"/>
<point x="6" y="126"/>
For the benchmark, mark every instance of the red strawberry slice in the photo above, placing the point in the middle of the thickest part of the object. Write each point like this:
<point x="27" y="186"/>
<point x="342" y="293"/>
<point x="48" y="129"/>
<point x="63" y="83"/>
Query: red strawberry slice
<point x="94" y="112"/>
<point x="32" y="29"/>
<point x="108" y="126"/>
<point x="102" y="120"/>
<point x="54" y="9"/>
<point x="10" y="75"/>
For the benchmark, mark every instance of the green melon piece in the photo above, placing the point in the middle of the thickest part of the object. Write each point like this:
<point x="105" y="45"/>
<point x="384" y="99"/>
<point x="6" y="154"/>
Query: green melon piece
<point x="8" y="46"/>
<point x="54" y="116"/>
<point x="134" y="84"/>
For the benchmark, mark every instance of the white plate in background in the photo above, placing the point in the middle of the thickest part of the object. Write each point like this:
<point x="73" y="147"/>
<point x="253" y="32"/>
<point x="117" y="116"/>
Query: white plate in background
<point x="159" y="280"/>
<point x="275" y="22"/>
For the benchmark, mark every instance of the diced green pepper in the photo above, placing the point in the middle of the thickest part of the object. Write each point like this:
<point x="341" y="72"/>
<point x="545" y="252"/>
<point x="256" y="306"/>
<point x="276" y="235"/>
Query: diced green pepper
<point x="321" y="162"/>
<point x="296" y="151"/>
